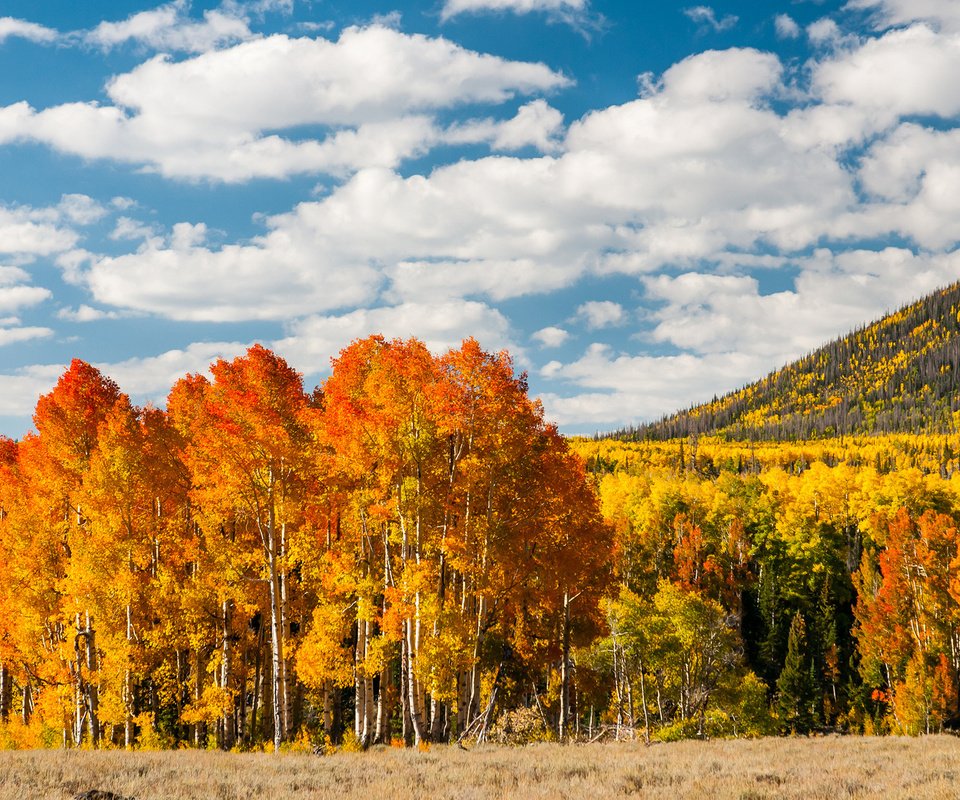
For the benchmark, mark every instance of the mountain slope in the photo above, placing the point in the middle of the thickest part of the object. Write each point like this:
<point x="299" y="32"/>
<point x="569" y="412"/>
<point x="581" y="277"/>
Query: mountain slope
<point x="897" y="375"/>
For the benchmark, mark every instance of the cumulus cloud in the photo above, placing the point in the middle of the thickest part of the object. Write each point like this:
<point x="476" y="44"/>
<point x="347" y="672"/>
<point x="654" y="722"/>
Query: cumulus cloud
<point x="535" y="124"/>
<point x="617" y="388"/>
<point x="824" y="32"/>
<point x="22" y="29"/>
<point x="218" y="115"/>
<point x="945" y="14"/>
<point x="171" y="29"/>
<point x="17" y="294"/>
<point x="313" y="341"/>
<point x="148" y="379"/>
<point x="905" y="71"/>
<point x="698" y="167"/>
<point x="20" y="389"/>
<point x="550" y="336"/>
<point x="786" y="27"/>
<point x="26" y="232"/>
<point x="601" y="314"/>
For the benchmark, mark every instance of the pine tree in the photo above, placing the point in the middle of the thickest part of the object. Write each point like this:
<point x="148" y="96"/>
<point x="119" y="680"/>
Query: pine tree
<point x="796" y="701"/>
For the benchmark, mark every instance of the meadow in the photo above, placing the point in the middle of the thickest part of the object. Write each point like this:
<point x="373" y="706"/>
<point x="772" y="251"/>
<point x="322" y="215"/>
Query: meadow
<point x="824" y="767"/>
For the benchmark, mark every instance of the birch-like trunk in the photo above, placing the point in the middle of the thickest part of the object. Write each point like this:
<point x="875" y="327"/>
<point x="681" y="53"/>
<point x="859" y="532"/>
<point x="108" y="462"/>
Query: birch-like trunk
<point x="565" y="672"/>
<point x="382" y="730"/>
<point x="276" y="646"/>
<point x="93" y="691"/>
<point x="257" y="684"/>
<point x="128" y="728"/>
<point x="407" y="724"/>
<point x="226" y="665"/>
<point x="414" y="692"/>
<point x="286" y="686"/>
<point x="276" y="617"/>
<point x="359" y="684"/>
<point x="199" y="729"/>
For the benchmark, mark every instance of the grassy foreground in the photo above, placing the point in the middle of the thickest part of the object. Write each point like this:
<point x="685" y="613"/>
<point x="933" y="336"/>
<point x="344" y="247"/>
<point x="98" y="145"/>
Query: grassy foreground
<point x="830" y="768"/>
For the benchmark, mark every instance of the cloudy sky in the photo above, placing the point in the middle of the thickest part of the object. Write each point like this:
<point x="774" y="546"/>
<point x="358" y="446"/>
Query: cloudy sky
<point x="646" y="202"/>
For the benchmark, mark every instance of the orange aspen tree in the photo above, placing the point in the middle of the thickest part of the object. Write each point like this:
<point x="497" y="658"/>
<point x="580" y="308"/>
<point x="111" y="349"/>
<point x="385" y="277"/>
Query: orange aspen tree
<point x="247" y="437"/>
<point x="68" y="421"/>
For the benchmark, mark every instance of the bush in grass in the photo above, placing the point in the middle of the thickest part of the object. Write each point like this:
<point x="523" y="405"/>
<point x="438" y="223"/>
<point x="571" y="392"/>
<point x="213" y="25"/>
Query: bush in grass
<point x="520" y="726"/>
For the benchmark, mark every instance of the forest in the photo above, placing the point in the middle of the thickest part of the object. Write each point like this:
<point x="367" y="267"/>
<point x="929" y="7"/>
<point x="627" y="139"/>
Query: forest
<point x="766" y="587"/>
<point x="410" y="554"/>
<point x="896" y="375"/>
<point x="377" y="561"/>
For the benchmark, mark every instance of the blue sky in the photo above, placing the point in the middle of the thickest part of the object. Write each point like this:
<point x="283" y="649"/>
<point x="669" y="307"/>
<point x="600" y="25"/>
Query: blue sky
<point x="646" y="203"/>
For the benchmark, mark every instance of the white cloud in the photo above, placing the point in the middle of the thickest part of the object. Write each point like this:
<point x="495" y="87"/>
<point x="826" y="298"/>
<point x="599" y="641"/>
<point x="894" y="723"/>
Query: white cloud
<point x="85" y="313"/>
<point x="622" y="388"/>
<point x="13" y="298"/>
<point x="699" y="167"/>
<point x="786" y="27"/>
<point x="170" y="28"/>
<point x="10" y="27"/>
<point x="706" y="16"/>
<point x="16" y="293"/>
<point x="904" y="72"/>
<point x="149" y="379"/>
<point x="723" y="75"/>
<point x="263" y="280"/>
<point x="896" y="166"/>
<point x="126" y="228"/>
<point x="81" y="209"/>
<point x="712" y="314"/>
<point x="943" y="13"/>
<point x="20" y="390"/>
<point x="601" y="314"/>
<point x="146" y="380"/>
<point x="535" y="124"/>
<point x="452" y="8"/>
<point x="220" y="115"/>
<point x="315" y="340"/>
<point x="26" y="231"/>
<point x="17" y="334"/>
<point x="824" y="32"/>
<point x="550" y="336"/>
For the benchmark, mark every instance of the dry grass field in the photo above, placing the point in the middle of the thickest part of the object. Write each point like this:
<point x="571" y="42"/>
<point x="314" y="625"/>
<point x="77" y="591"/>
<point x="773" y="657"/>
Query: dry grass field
<point x="830" y="768"/>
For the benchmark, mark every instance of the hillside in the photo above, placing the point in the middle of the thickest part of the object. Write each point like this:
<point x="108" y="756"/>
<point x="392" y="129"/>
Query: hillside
<point x="896" y="375"/>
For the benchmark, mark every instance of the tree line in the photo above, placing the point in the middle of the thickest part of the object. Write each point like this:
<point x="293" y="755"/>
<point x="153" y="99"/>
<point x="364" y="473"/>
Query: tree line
<point x="781" y="587"/>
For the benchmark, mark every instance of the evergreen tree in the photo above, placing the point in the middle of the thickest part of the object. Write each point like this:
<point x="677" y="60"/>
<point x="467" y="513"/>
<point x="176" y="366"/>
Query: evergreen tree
<point x="796" y="690"/>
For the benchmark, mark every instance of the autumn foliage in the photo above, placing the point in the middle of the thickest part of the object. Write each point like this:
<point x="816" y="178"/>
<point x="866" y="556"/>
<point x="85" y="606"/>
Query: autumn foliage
<point x="410" y="554"/>
<point x="380" y="559"/>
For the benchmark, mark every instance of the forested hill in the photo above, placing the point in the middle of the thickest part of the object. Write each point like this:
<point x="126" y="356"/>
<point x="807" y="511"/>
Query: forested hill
<point x="897" y="375"/>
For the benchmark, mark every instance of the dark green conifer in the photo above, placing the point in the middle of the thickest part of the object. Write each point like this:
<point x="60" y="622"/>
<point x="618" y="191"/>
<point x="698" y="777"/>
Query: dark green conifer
<point x="796" y="688"/>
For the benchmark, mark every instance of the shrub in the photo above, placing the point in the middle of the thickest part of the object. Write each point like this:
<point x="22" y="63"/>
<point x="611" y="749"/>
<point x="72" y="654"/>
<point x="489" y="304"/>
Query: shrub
<point x="520" y="726"/>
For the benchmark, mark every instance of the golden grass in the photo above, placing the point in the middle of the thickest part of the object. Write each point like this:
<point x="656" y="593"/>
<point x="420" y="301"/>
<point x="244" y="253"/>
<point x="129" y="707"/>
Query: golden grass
<point x="831" y="768"/>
